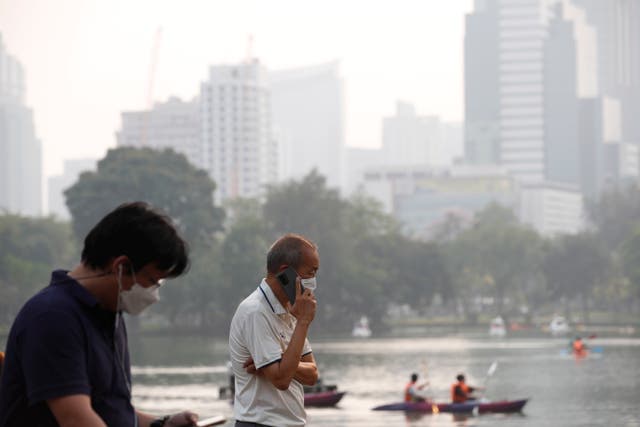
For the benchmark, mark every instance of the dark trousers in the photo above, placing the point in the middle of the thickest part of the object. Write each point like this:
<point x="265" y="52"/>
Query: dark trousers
<point x="248" y="424"/>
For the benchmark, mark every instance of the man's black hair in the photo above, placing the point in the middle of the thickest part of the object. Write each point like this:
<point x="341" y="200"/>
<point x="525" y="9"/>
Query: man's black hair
<point x="141" y="233"/>
<point x="460" y="377"/>
<point x="414" y="377"/>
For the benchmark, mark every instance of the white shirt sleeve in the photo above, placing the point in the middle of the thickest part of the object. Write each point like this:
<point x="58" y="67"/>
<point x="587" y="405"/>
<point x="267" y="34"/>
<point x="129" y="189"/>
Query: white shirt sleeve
<point x="262" y="340"/>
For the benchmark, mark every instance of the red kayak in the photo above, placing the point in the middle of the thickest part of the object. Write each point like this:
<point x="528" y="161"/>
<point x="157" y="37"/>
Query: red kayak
<point x="316" y="396"/>
<point x="323" y="399"/>
<point x="502" y="406"/>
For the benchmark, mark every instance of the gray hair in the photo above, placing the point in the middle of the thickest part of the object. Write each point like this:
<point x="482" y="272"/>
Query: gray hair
<point x="287" y="250"/>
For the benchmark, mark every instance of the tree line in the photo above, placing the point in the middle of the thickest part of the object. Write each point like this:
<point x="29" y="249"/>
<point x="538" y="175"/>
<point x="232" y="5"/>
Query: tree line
<point x="367" y="263"/>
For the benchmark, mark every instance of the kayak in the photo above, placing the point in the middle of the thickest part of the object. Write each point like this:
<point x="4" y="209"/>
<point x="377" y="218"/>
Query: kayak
<point x="501" y="406"/>
<point x="319" y="397"/>
<point x="589" y="353"/>
<point x="323" y="399"/>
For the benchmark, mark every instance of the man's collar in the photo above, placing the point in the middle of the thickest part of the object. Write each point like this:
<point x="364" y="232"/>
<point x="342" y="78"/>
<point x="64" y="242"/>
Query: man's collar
<point x="271" y="298"/>
<point x="59" y="277"/>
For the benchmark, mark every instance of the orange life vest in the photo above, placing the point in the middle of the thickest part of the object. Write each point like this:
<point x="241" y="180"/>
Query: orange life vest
<point x="457" y="398"/>
<point x="579" y="348"/>
<point x="407" y="395"/>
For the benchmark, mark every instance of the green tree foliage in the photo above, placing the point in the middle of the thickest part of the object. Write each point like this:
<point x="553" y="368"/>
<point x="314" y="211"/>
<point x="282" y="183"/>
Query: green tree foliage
<point x="495" y="256"/>
<point x="31" y="249"/>
<point x="574" y="265"/>
<point x="164" y="179"/>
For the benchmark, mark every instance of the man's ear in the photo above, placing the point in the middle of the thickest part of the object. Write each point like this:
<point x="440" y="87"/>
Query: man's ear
<point x="120" y="265"/>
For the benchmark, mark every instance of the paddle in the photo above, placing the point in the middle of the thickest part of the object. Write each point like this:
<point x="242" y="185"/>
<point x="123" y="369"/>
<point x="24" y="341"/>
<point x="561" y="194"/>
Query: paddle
<point x="426" y="383"/>
<point x="490" y="372"/>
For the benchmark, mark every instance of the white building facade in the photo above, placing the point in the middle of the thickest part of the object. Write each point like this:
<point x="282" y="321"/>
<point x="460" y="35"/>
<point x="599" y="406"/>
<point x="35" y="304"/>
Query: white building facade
<point x="552" y="209"/>
<point x="238" y="146"/>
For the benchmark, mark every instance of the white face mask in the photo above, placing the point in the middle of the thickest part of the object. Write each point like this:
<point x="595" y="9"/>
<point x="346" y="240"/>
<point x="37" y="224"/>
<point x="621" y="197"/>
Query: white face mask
<point x="136" y="299"/>
<point x="309" y="283"/>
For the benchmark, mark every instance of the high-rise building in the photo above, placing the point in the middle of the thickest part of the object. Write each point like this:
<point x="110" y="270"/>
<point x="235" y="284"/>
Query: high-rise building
<point x="527" y="63"/>
<point x="560" y="102"/>
<point x="521" y="37"/>
<point x="481" y="76"/>
<point x="20" y="149"/>
<point x="618" y="56"/>
<point x="239" y="148"/>
<point x="606" y="160"/>
<point x="174" y="124"/>
<point x="308" y="117"/>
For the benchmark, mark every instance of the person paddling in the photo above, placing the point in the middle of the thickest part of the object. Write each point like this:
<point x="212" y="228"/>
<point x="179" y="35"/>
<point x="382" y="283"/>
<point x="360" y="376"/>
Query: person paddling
<point x="461" y="392"/>
<point x="579" y="348"/>
<point x="411" y="390"/>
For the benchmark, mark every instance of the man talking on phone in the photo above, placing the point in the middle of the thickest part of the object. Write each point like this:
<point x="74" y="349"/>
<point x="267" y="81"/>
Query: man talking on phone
<point x="270" y="354"/>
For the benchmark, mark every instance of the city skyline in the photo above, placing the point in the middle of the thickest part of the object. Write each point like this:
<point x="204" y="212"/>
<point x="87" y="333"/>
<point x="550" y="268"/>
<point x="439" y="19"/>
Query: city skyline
<point x="89" y="61"/>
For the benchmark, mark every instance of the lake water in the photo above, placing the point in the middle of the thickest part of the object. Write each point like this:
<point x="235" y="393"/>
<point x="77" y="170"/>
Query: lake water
<point x="186" y="372"/>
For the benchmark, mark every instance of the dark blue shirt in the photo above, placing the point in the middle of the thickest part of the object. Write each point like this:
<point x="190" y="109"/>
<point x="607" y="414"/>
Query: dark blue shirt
<point x="63" y="343"/>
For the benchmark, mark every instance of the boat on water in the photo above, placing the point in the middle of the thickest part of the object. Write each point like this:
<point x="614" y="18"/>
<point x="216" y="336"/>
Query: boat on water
<point x="559" y="326"/>
<point x="361" y="328"/>
<point x="482" y="407"/>
<point x="323" y="399"/>
<point x="322" y="395"/>
<point x="317" y="396"/>
<point x="497" y="328"/>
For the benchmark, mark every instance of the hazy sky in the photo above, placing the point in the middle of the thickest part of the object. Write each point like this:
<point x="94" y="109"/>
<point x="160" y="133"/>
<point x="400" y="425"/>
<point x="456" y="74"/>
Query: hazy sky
<point x="88" y="60"/>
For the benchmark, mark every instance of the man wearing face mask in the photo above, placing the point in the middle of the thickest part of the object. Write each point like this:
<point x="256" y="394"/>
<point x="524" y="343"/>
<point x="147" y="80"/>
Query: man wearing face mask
<point x="270" y="353"/>
<point x="67" y="357"/>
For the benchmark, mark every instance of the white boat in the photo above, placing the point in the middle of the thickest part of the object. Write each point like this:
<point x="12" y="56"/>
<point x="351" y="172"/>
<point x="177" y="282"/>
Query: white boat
<point x="559" y="326"/>
<point x="361" y="328"/>
<point x="497" y="328"/>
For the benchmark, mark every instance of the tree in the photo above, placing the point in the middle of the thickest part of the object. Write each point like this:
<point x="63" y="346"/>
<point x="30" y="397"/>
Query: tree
<point x="496" y="256"/>
<point x="31" y="249"/>
<point x="164" y="179"/>
<point x="574" y="265"/>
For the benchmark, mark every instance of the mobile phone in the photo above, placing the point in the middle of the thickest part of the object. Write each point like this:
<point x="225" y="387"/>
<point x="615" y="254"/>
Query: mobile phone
<point x="287" y="279"/>
<point x="211" y="421"/>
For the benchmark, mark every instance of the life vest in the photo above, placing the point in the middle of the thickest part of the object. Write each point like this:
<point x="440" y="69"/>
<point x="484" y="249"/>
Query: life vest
<point x="459" y="398"/>
<point x="578" y="348"/>
<point x="407" y="394"/>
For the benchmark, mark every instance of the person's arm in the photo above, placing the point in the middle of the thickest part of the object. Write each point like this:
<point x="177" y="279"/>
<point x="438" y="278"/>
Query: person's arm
<point x="75" y="411"/>
<point x="181" y="419"/>
<point x="282" y="372"/>
<point x="307" y="372"/>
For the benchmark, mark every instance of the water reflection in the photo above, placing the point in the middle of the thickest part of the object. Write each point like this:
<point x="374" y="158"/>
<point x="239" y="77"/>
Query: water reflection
<point x="373" y="372"/>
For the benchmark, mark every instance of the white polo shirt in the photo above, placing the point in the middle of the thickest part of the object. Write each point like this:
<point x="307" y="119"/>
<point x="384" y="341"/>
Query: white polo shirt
<point x="262" y="328"/>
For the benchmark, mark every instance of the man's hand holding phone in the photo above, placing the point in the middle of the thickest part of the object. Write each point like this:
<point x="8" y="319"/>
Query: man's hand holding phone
<point x="304" y="307"/>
